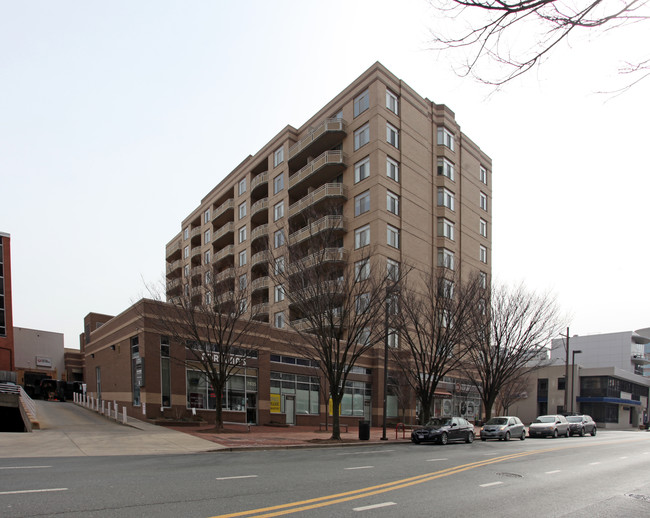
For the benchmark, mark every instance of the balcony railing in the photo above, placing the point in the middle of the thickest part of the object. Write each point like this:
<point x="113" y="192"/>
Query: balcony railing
<point x="174" y="286"/>
<point x="327" y="255"/>
<point x="305" y="324"/>
<point x="261" y="283"/>
<point x="328" y="126"/>
<point x="329" y="190"/>
<point x="226" y="229"/>
<point x="173" y="249"/>
<point x="221" y="209"/>
<point x="260" y="257"/>
<point x="261" y="231"/>
<point x="259" y="180"/>
<point x="225" y="252"/>
<point x="228" y="273"/>
<point x="327" y="158"/>
<point x="261" y="309"/>
<point x="174" y="269"/>
<point x="325" y="223"/>
<point x="259" y="205"/>
<point x="641" y="359"/>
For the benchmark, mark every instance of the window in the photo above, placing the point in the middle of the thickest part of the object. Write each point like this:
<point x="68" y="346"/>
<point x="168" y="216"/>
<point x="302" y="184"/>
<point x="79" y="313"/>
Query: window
<point x="445" y="168"/>
<point x="362" y="203"/>
<point x="208" y="277"/>
<point x="242" y="258"/>
<point x="483" y="201"/>
<point x="206" y="216"/>
<point x="201" y="395"/>
<point x="392" y="270"/>
<point x="304" y="389"/>
<point x="278" y="320"/>
<point x="445" y="138"/>
<point x="243" y="306"/>
<point x="447" y="289"/>
<point x="392" y="203"/>
<point x="392" y="236"/>
<point x="186" y="252"/>
<point x="242" y="186"/>
<point x="361" y="170"/>
<point x="362" y="303"/>
<point x="361" y="136"/>
<point x="445" y="228"/>
<point x="362" y="270"/>
<point x="482" y="254"/>
<point x="278" y="157"/>
<point x="445" y="258"/>
<point x="186" y="270"/>
<point x="278" y="266"/>
<point x="206" y="236"/>
<point x="483" y="279"/>
<point x="242" y="210"/>
<point x="391" y="102"/>
<point x="279" y="293"/>
<point x="278" y="183"/>
<point x="338" y="115"/>
<point x="392" y="135"/>
<point x="242" y="234"/>
<point x="393" y="338"/>
<point x="392" y="169"/>
<point x="561" y="384"/>
<point x="278" y="238"/>
<point x="165" y="377"/>
<point x="208" y="297"/>
<point x="482" y="175"/>
<point x="364" y="337"/>
<point x="186" y="233"/>
<point x="482" y="227"/>
<point x="206" y="257"/>
<point x="362" y="237"/>
<point x="278" y="211"/>
<point x="445" y="198"/>
<point x="243" y="282"/>
<point x="361" y="103"/>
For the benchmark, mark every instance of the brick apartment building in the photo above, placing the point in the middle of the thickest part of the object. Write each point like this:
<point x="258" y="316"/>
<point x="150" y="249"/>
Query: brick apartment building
<point x="378" y="164"/>
<point x="7" y="358"/>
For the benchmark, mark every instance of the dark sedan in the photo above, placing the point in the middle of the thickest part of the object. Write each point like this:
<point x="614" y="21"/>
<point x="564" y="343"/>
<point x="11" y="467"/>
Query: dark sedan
<point x="443" y="430"/>
<point x="581" y="425"/>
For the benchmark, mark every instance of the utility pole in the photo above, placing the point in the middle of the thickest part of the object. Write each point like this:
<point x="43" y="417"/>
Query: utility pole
<point x="566" y="374"/>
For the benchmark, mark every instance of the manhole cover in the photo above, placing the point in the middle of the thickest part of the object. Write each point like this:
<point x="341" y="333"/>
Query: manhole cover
<point x="645" y="498"/>
<point x="511" y="475"/>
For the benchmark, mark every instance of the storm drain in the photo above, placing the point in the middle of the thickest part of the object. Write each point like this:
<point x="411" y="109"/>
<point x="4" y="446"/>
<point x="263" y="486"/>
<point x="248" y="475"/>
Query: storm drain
<point x="511" y="475"/>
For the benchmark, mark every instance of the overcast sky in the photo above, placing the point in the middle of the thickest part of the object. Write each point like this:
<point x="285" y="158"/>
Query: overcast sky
<point x="116" y="118"/>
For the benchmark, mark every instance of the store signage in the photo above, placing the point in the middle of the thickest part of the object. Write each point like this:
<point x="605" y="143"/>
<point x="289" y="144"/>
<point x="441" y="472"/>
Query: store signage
<point x="275" y="403"/>
<point x="42" y="361"/>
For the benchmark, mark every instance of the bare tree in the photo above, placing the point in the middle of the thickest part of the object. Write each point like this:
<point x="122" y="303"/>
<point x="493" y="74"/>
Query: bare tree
<point x="210" y="325"/>
<point x="434" y="319"/>
<point x="511" y="331"/>
<point x="519" y="34"/>
<point x="336" y="306"/>
<point x="511" y="393"/>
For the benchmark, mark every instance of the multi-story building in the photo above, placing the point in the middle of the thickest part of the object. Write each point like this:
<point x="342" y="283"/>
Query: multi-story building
<point x="378" y="165"/>
<point x="7" y="361"/>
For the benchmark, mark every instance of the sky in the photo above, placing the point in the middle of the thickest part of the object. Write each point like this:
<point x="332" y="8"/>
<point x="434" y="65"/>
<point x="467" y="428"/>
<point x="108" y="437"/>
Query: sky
<point x="116" y="118"/>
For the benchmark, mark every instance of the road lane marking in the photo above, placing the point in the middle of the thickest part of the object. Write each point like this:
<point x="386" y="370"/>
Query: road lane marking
<point x="33" y="491"/>
<point x="434" y="460"/>
<point x="491" y="484"/>
<point x="554" y="471"/>
<point x="594" y="463"/>
<point x="234" y="478"/>
<point x="361" y="467"/>
<point x="365" y="452"/>
<point x="376" y="506"/>
<point x="24" y="467"/>
<point x="622" y="458"/>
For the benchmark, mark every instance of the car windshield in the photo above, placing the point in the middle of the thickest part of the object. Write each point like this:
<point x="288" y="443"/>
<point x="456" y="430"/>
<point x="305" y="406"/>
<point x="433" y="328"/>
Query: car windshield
<point x="574" y="419"/>
<point x="545" y="419"/>
<point x="439" y="421"/>
<point x="498" y="420"/>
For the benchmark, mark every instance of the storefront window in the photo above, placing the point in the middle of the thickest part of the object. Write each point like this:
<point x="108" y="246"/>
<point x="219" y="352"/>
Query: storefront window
<point x="356" y="392"/>
<point x="200" y="393"/>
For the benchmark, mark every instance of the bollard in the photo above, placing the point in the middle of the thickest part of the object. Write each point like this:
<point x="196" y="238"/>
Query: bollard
<point x="102" y="411"/>
<point x="115" y="407"/>
<point x="144" y="408"/>
<point x="123" y="415"/>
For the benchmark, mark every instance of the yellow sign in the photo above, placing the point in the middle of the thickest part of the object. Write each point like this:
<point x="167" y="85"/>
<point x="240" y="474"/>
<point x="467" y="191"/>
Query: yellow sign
<point x="275" y="404"/>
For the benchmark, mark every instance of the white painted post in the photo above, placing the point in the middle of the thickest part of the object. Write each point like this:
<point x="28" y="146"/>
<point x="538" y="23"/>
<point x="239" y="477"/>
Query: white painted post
<point x="144" y="408"/>
<point x="92" y="403"/>
<point x="115" y="407"/>
<point x="123" y="415"/>
<point x="102" y="411"/>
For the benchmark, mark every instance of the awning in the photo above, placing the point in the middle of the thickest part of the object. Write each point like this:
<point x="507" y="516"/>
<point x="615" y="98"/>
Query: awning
<point x="614" y="400"/>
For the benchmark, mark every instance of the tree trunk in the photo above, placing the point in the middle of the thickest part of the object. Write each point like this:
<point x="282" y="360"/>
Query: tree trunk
<point x="425" y="409"/>
<point x="336" y="418"/>
<point x="218" y="414"/>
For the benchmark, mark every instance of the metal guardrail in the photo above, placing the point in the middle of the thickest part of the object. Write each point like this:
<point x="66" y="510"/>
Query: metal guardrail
<point x="26" y="401"/>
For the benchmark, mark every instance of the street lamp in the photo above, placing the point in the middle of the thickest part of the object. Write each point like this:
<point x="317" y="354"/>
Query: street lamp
<point x="573" y="373"/>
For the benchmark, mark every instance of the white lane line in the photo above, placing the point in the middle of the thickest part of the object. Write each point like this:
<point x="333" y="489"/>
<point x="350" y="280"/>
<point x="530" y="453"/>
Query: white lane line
<point x="24" y="467"/>
<point x="435" y="460"/>
<point x="622" y="458"/>
<point x="233" y="478"/>
<point x="364" y="452"/>
<point x="33" y="491"/>
<point x="594" y="463"/>
<point x="361" y="467"/>
<point x="491" y="484"/>
<point x="376" y="506"/>
<point x="554" y="471"/>
<point x="491" y="454"/>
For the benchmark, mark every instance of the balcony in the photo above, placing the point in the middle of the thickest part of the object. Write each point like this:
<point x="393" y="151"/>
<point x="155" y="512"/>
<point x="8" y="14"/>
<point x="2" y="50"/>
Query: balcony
<point x="640" y="359"/>
<point x="324" y="168"/>
<point x="305" y="324"/>
<point x="224" y="252"/>
<point x="258" y="207"/>
<point x="225" y="235"/>
<point x="322" y="137"/>
<point x="331" y="223"/>
<point x="324" y="192"/>
<point x="174" y="269"/>
<point x="259" y="258"/>
<point x="173" y="251"/>
<point x="327" y="255"/>
<point x="260" y="185"/>
<point x="227" y="274"/>
<point x="223" y="213"/>
<point x="174" y="287"/>
<point x="195" y="237"/>
<point x="262" y="283"/>
<point x="260" y="310"/>
<point x="258" y="232"/>
<point x="322" y="289"/>
<point x="195" y="257"/>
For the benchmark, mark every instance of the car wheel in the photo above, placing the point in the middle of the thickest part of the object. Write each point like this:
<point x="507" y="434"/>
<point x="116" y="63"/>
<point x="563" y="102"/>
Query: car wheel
<point x="483" y="439"/>
<point x="507" y="436"/>
<point x="582" y="432"/>
<point x="443" y="438"/>
<point x="593" y="432"/>
<point x="523" y="436"/>
<point x="470" y="438"/>
<point x="415" y="441"/>
<point x="555" y="434"/>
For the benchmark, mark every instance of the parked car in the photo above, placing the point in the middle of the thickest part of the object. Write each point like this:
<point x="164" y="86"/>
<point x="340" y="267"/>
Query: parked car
<point x="581" y="424"/>
<point x="444" y="429"/>
<point x="503" y="428"/>
<point x="549" y="425"/>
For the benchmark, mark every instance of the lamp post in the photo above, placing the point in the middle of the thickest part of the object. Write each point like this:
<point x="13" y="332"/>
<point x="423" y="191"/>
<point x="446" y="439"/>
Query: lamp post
<point x="566" y="370"/>
<point x="389" y="292"/>
<point x="573" y="374"/>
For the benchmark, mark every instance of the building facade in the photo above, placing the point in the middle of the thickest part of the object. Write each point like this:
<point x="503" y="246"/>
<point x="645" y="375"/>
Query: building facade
<point x="378" y="167"/>
<point x="7" y="359"/>
<point x="39" y="355"/>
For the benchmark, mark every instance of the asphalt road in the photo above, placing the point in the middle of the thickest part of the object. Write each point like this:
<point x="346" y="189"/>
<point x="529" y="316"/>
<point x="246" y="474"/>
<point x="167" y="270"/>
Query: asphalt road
<point x="607" y="475"/>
